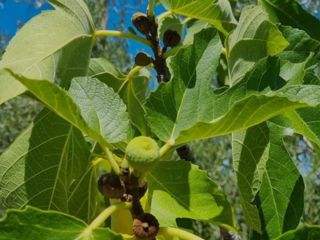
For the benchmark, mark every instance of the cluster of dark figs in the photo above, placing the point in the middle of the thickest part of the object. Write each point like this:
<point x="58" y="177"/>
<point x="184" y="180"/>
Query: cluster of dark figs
<point x="143" y="24"/>
<point x="126" y="188"/>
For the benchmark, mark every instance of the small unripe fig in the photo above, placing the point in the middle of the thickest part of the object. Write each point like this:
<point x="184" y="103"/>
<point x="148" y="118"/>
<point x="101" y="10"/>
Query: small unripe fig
<point x="141" y="22"/>
<point x="171" y="38"/>
<point x="143" y="59"/>
<point x="142" y="153"/>
<point x="145" y="227"/>
<point x="111" y="186"/>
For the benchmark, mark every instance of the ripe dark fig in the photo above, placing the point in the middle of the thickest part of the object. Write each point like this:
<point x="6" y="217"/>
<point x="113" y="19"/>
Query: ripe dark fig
<point x="171" y="38"/>
<point x="143" y="59"/>
<point x="141" y="22"/>
<point x="145" y="227"/>
<point x="111" y="186"/>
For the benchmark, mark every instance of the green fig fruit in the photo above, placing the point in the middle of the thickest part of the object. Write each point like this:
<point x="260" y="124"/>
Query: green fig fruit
<point x="142" y="153"/>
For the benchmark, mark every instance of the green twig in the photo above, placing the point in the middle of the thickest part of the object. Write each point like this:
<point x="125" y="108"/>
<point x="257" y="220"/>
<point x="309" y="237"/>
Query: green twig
<point x="176" y="232"/>
<point x="164" y="15"/>
<point x="165" y="148"/>
<point x="150" y="10"/>
<point x="101" y="218"/>
<point x="112" y="33"/>
<point x="111" y="160"/>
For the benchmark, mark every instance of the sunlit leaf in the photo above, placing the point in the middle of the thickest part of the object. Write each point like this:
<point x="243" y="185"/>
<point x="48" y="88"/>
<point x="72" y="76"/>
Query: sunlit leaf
<point x="178" y="189"/>
<point x="59" y="39"/>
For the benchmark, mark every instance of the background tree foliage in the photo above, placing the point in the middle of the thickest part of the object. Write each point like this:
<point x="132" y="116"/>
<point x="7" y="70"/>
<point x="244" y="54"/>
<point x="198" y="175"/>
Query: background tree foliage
<point x="214" y="155"/>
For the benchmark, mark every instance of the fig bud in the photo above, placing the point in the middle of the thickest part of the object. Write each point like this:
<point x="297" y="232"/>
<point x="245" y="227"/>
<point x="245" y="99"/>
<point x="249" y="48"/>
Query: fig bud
<point x="145" y="227"/>
<point x="171" y="38"/>
<point x="142" y="153"/>
<point x="143" y="59"/>
<point x="141" y="22"/>
<point x="111" y="186"/>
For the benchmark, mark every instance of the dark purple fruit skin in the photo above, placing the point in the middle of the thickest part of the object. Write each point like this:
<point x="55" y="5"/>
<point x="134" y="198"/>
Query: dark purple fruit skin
<point x="141" y="22"/>
<point x="111" y="186"/>
<point x="171" y="38"/>
<point x="143" y="59"/>
<point x="145" y="227"/>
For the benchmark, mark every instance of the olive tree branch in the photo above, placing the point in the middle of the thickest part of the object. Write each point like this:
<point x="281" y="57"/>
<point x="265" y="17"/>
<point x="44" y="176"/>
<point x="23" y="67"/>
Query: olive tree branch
<point x="112" y="33"/>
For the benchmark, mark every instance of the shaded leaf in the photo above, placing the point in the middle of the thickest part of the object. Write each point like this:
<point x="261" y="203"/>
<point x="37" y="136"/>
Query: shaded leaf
<point x="186" y="193"/>
<point x="51" y="36"/>
<point x="300" y="57"/>
<point x="35" y="224"/>
<point x="218" y="13"/>
<point x="193" y="27"/>
<point x="305" y="232"/>
<point x="170" y="23"/>
<point x="254" y="38"/>
<point x="48" y="166"/>
<point x="289" y="12"/>
<point x="250" y="152"/>
<point x="273" y="173"/>
<point x="280" y="197"/>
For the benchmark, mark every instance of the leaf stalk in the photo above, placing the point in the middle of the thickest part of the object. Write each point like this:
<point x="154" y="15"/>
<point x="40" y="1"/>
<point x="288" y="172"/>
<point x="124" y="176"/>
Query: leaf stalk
<point x="111" y="160"/>
<point x="150" y="9"/>
<point x="165" y="148"/>
<point x="112" y="33"/>
<point x="101" y="218"/>
<point x="176" y="232"/>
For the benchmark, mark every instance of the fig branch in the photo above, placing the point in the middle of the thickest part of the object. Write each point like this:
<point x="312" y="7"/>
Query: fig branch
<point x="101" y="218"/>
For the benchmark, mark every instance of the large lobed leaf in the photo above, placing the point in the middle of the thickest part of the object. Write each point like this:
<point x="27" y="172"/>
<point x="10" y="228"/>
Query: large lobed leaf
<point x="48" y="166"/>
<point x="35" y="224"/>
<point x="280" y="196"/>
<point x="175" y="115"/>
<point x="178" y="189"/>
<point x="218" y="13"/>
<point x="272" y="175"/>
<point x="57" y="40"/>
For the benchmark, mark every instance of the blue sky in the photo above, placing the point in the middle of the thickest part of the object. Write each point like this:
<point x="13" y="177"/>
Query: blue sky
<point x="12" y="12"/>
